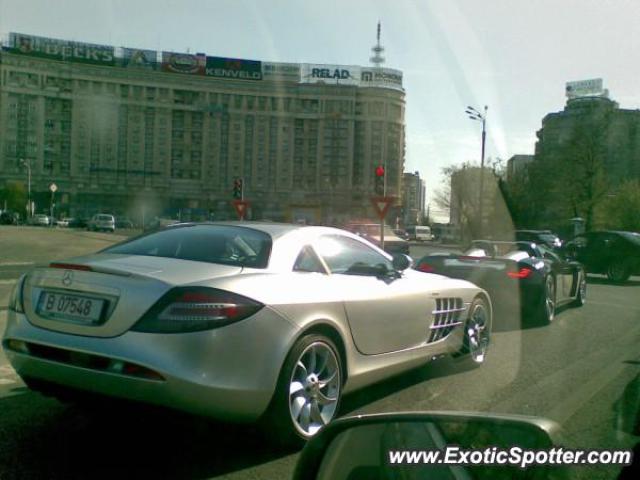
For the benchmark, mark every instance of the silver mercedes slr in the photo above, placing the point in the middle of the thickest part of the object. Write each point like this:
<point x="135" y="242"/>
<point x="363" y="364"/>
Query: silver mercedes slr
<point x="238" y="321"/>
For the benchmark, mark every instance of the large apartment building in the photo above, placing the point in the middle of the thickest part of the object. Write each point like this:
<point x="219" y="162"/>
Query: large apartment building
<point x="131" y="131"/>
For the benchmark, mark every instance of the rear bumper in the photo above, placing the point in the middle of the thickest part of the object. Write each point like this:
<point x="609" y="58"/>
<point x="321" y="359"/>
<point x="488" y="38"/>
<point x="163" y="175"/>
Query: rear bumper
<point x="229" y="373"/>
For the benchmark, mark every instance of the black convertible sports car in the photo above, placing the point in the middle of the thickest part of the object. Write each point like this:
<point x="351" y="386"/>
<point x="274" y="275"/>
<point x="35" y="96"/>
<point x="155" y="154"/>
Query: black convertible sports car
<point x="521" y="275"/>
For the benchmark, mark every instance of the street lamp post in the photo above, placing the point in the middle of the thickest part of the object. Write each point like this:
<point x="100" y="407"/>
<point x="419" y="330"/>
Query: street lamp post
<point x="28" y="165"/>
<point x="481" y="117"/>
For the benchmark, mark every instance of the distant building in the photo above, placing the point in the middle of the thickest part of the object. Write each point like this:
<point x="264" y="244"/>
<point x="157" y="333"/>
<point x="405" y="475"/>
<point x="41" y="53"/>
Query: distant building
<point x="413" y="198"/>
<point x="516" y="165"/>
<point x="464" y="203"/>
<point x="619" y="129"/>
<point x="126" y="131"/>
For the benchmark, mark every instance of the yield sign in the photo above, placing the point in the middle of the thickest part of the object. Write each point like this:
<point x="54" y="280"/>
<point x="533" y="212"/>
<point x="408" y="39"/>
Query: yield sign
<point x="382" y="204"/>
<point x="241" y="207"/>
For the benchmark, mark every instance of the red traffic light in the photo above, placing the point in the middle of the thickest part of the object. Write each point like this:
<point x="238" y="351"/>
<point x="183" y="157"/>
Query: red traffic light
<point x="379" y="171"/>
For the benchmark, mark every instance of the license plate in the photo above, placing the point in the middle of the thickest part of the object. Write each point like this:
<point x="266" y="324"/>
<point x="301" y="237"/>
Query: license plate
<point x="70" y="307"/>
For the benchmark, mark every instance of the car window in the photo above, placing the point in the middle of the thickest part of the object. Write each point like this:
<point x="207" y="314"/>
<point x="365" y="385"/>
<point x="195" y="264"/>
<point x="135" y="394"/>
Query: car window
<point x="203" y="243"/>
<point x="349" y="256"/>
<point x="578" y="242"/>
<point x="548" y="253"/>
<point x="308" y="261"/>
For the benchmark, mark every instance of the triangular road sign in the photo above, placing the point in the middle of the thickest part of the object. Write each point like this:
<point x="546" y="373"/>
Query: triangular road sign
<point x="241" y="207"/>
<point x="382" y="204"/>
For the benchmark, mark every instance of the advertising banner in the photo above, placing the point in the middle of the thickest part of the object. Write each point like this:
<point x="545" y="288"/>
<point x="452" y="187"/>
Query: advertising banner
<point x="234" y="68"/>
<point x="135" y="58"/>
<point x="281" y="71"/>
<point x="63" y="50"/>
<point x="381" y="77"/>
<point x="584" y="88"/>
<point x="184" y="63"/>
<point x="332" y="74"/>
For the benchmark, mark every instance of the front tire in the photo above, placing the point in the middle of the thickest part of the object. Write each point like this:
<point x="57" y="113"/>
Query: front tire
<point x="618" y="271"/>
<point x="308" y="392"/>
<point x="477" y="334"/>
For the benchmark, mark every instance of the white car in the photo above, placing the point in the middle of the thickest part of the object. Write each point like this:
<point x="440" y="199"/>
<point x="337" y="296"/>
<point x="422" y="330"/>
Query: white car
<point x="239" y="321"/>
<point x="102" y="221"/>
<point x="40" y="220"/>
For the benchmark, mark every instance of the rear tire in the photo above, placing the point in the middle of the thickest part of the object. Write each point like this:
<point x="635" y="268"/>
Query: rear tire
<point x="547" y="306"/>
<point x="581" y="295"/>
<point x="308" y="392"/>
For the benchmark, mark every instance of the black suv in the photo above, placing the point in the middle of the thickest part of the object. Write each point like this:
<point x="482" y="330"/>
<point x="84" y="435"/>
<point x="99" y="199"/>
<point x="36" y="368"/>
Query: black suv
<point x="614" y="253"/>
<point x="9" y="218"/>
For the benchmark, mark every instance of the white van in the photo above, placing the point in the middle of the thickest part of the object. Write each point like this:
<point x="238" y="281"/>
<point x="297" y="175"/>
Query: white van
<point x="419" y="233"/>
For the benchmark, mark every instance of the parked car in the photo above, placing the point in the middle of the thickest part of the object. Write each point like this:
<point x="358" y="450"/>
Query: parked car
<point x="543" y="237"/>
<point x="63" y="222"/>
<point x="401" y="233"/>
<point x="371" y="232"/>
<point x="613" y="253"/>
<point x="40" y="220"/>
<point x="102" y="222"/>
<point x="239" y="321"/>
<point x="523" y="275"/>
<point x="123" y="222"/>
<point x="420" y="233"/>
<point x="79" y="222"/>
<point x="9" y="217"/>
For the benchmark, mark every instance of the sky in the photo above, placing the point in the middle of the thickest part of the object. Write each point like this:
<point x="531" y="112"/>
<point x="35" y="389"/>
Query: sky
<point x="514" y="56"/>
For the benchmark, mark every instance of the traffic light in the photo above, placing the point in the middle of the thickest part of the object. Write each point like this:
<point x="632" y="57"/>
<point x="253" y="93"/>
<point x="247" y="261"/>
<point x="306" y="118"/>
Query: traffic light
<point x="237" y="189"/>
<point x="379" y="181"/>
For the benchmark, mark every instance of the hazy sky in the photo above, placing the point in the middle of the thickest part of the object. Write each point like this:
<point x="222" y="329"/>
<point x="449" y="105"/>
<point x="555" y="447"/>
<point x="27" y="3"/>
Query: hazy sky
<point x="512" y="55"/>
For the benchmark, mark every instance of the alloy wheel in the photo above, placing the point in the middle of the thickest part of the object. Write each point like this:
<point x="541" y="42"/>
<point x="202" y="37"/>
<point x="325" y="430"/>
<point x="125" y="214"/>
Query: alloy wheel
<point x="314" y="388"/>
<point x="550" y="298"/>
<point x="478" y="333"/>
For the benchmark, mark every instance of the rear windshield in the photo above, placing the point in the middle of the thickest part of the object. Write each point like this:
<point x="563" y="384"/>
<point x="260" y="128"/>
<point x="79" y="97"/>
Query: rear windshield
<point x="228" y="245"/>
<point x="105" y="218"/>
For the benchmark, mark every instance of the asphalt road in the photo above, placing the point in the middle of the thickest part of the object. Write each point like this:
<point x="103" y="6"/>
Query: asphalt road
<point x="582" y="371"/>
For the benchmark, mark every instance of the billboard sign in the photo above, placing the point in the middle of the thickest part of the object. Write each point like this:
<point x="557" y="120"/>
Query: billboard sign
<point x="281" y="71"/>
<point x="184" y="63"/>
<point x="62" y="50"/>
<point x="234" y="68"/>
<point x="584" y="88"/>
<point x="135" y="58"/>
<point x="332" y="74"/>
<point x="381" y="77"/>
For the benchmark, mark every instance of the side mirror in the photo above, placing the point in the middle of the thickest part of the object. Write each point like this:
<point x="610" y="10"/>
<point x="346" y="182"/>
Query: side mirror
<point x="374" y="446"/>
<point x="401" y="262"/>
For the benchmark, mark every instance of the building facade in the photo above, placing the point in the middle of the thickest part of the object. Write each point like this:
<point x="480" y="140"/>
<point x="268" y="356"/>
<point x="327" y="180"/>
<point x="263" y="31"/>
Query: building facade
<point x="517" y="165"/>
<point x="612" y="133"/>
<point x="413" y="198"/>
<point x="138" y="132"/>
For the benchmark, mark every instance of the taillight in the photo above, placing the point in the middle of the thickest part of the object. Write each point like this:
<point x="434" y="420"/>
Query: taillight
<point x="191" y="309"/>
<point x="70" y="266"/>
<point x="522" y="273"/>
<point x="425" y="267"/>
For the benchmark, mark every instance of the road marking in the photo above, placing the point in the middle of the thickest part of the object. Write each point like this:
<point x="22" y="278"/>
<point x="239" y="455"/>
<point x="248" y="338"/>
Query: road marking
<point x="14" y="264"/>
<point x="8" y="281"/>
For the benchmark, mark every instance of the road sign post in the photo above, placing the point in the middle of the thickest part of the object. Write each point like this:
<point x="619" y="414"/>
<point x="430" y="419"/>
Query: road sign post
<point x="53" y="188"/>
<point x="381" y="205"/>
<point x="241" y="207"/>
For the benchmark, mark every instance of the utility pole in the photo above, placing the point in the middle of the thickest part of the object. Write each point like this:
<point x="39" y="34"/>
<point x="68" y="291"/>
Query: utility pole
<point x="475" y="115"/>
